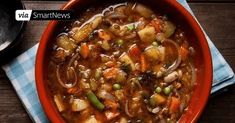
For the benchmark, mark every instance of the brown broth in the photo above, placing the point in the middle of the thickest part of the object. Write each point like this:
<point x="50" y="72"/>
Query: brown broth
<point x="143" y="62"/>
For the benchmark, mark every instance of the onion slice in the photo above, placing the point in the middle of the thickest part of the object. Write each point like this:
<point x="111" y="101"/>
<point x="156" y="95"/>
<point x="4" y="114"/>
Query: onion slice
<point x="61" y="81"/>
<point x="177" y="61"/>
<point x="73" y="59"/>
<point x="127" y="109"/>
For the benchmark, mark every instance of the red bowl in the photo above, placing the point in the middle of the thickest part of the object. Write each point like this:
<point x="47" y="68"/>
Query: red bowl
<point x="177" y="14"/>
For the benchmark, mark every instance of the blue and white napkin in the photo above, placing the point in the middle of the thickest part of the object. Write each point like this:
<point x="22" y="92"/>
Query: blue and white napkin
<point x="20" y="71"/>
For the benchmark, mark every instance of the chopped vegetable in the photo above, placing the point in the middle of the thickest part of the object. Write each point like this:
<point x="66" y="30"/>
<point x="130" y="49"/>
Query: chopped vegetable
<point x="143" y="10"/>
<point x="184" y="52"/>
<point x="121" y="76"/>
<point x="79" y="105"/>
<point x="59" y="102"/>
<point x="92" y="119"/>
<point x="147" y="34"/>
<point x="119" y="42"/>
<point x="171" y="77"/>
<point x="105" y="45"/>
<point x="157" y="99"/>
<point x="72" y="90"/>
<point x="117" y="86"/>
<point x="98" y="73"/>
<point x="64" y="42"/>
<point x="111" y="104"/>
<point x="168" y="28"/>
<point x="93" y="84"/>
<point x="131" y="27"/>
<point x="110" y="73"/>
<point x="104" y="94"/>
<point x="167" y="90"/>
<point x="155" y="44"/>
<point x="82" y="33"/>
<point x="104" y="35"/>
<point x="94" y="100"/>
<point x="111" y="114"/>
<point x="127" y="60"/>
<point x="84" y="50"/>
<point x="174" y="105"/>
<point x="158" y="89"/>
<point x="143" y="63"/>
<point x="162" y="50"/>
<point x="160" y="37"/>
<point x="119" y="94"/>
<point x="157" y="24"/>
<point x="123" y="120"/>
<point x="152" y="53"/>
<point x="110" y="64"/>
<point x="134" y="51"/>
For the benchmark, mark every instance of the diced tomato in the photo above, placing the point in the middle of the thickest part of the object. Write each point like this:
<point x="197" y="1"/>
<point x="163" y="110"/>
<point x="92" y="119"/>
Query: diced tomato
<point x="184" y="52"/>
<point x="134" y="51"/>
<point x="174" y="105"/>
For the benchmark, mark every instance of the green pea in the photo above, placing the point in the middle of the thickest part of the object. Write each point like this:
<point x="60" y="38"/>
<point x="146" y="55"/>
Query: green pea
<point x="158" y="90"/>
<point x="117" y="86"/>
<point x="167" y="90"/>
<point x="120" y="42"/>
<point x="155" y="43"/>
<point x="131" y="27"/>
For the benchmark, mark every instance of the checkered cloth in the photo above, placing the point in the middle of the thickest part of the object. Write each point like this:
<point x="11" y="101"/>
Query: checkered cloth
<point x="21" y="73"/>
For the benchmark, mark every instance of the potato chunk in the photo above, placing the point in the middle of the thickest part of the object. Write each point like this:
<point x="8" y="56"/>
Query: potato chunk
<point x="59" y="102"/>
<point x="79" y="105"/>
<point x="147" y="34"/>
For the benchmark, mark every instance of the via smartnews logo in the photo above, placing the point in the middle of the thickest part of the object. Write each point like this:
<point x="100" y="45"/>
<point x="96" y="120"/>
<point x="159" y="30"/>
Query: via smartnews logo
<point x="27" y="15"/>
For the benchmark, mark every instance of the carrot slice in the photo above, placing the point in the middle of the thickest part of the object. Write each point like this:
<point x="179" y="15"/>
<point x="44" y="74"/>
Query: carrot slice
<point x="104" y="35"/>
<point x="143" y="63"/>
<point x="72" y="90"/>
<point x="174" y="105"/>
<point x="134" y="51"/>
<point x="184" y="52"/>
<point x="84" y="50"/>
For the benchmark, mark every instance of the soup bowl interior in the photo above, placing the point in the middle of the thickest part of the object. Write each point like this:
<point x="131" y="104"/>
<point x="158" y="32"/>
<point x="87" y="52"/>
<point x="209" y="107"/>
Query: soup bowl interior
<point x="176" y="13"/>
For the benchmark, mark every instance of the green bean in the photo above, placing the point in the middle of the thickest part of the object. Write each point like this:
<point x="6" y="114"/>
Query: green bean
<point x="94" y="100"/>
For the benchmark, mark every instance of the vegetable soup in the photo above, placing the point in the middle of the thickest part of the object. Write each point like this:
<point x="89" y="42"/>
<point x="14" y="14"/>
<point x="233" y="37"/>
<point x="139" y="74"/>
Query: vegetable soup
<point x="122" y="63"/>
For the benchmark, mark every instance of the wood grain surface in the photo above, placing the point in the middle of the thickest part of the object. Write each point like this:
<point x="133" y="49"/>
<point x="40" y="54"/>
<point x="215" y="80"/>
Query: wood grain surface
<point x="217" y="17"/>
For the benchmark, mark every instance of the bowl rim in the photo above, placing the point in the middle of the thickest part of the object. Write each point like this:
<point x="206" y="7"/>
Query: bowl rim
<point x="55" y="117"/>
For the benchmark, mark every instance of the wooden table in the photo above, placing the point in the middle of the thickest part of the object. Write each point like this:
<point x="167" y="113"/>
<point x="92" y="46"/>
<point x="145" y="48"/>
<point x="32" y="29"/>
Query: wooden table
<point x="216" y="16"/>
